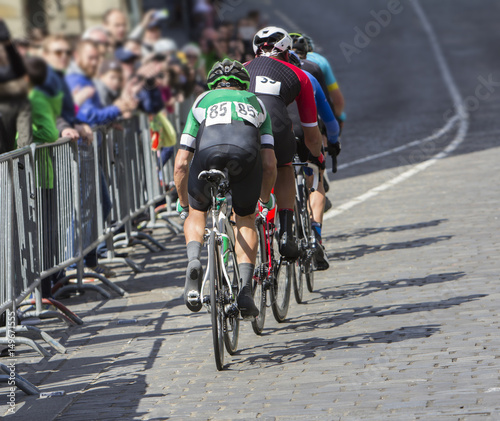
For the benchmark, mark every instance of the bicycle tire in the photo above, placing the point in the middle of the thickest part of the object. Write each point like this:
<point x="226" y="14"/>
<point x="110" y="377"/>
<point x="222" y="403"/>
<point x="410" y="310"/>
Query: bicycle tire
<point x="231" y="322"/>
<point x="280" y="285"/>
<point x="259" y="292"/>
<point x="305" y="223"/>
<point x="308" y="266"/>
<point x="216" y="309"/>
<point x="298" y="281"/>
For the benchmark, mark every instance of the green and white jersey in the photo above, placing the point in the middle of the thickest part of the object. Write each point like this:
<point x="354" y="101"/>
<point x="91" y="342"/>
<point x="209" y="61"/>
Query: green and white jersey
<point x="225" y="106"/>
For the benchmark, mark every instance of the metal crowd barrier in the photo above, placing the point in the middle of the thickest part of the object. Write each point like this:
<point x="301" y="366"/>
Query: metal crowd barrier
<point x="51" y="216"/>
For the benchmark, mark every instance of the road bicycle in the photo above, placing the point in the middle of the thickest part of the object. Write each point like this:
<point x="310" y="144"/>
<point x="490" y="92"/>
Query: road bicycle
<point x="302" y="228"/>
<point x="273" y="273"/>
<point x="222" y="277"/>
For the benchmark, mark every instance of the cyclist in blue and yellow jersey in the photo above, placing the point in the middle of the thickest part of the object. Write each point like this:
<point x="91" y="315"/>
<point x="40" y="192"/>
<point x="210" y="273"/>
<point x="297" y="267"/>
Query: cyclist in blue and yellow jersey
<point x="331" y="81"/>
<point x="227" y="128"/>
<point x="278" y="83"/>
<point x="317" y="199"/>
<point x="301" y="47"/>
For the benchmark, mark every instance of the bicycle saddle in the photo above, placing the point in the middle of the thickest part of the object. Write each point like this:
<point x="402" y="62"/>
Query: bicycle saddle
<point x="212" y="176"/>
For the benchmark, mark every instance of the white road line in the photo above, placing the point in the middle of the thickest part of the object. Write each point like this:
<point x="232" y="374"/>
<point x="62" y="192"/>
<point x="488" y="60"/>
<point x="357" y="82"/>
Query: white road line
<point x="461" y="114"/>
<point x="443" y="130"/>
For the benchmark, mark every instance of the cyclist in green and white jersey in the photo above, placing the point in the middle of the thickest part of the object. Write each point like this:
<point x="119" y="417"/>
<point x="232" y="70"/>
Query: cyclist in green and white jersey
<point x="227" y="128"/>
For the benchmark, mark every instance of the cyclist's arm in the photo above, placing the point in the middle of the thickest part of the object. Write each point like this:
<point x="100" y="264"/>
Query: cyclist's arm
<point x="181" y="174"/>
<point x="308" y="116"/>
<point x="265" y="128"/>
<point x="188" y="137"/>
<point x="332" y="86"/>
<point x="325" y="111"/>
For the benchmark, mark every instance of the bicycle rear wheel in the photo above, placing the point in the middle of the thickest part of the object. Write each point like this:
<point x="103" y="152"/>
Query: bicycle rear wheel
<point x="216" y="303"/>
<point x="281" y="285"/>
<point x="231" y="316"/>
<point x="259" y="292"/>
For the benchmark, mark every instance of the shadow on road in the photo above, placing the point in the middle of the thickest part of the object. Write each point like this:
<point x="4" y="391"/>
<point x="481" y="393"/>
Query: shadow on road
<point x="355" y="252"/>
<point x="365" y="232"/>
<point x="355" y="290"/>
<point x="302" y="349"/>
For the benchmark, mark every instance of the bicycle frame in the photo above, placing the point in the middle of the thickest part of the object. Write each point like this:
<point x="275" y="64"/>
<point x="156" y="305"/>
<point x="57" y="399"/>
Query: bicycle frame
<point x="223" y="231"/>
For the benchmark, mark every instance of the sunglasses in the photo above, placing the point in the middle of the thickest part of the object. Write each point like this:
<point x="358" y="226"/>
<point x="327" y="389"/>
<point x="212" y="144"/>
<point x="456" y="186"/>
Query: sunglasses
<point x="60" y="53"/>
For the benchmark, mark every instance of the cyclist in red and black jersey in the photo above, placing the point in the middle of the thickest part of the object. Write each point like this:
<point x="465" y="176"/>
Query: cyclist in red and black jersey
<point x="278" y="83"/>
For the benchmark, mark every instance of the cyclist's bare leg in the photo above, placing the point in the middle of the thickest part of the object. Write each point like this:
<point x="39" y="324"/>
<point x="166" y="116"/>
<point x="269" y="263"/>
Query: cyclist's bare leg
<point x="285" y="198"/>
<point x="285" y="187"/>
<point x="194" y="227"/>
<point x="317" y="201"/>
<point x="246" y="239"/>
<point x="269" y="172"/>
<point x="246" y="253"/>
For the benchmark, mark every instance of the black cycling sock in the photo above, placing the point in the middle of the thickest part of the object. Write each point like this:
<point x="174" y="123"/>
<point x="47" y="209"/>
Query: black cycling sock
<point x="193" y="250"/>
<point x="246" y="273"/>
<point x="286" y="219"/>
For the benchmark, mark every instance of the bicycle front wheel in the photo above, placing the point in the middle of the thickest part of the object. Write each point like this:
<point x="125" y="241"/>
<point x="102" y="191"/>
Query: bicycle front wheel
<point x="280" y="289"/>
<point x="259" y="292"/>
<point x="216" y="302"/>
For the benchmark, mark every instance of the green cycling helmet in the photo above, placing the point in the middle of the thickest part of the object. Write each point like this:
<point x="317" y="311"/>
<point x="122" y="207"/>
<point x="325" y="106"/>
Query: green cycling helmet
<point x="229" y="70"/>
<point x="299" y="43"/>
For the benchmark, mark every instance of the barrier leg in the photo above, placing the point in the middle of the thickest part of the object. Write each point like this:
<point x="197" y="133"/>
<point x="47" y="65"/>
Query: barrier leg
<point x="136" y="234"/>
<point x="134" y="266"/>
<point x="30" y="342"/>
<point x="21" y="383"/>
<point x="41" y="334"/>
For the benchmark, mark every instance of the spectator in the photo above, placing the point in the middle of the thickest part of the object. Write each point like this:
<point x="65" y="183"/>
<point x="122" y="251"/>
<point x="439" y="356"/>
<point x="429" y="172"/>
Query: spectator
<point x="101" y="37"/>
<point x="115" y="22"/>
<point x="57" y="53"/>
<point x="110" y="81"/>
<point x="80" y="74"/>
<point x="148" y="32"/>
<point x="46" y="103"/>
<point x="134" y="46"/>
<point x="15" y="110"/>
<point x="196" y="72"/>
<point x="22" y="45"/>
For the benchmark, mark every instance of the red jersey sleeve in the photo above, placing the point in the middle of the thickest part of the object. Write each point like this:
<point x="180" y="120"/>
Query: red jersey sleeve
<point x="305" y="101"/>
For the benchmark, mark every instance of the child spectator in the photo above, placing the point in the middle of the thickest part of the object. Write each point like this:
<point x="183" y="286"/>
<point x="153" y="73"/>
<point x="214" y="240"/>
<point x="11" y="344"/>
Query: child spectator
<point x="110" y="82"/>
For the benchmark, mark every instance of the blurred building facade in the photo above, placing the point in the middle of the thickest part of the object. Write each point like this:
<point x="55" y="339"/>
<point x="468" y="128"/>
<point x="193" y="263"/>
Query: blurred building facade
<point x="69" y="17"/>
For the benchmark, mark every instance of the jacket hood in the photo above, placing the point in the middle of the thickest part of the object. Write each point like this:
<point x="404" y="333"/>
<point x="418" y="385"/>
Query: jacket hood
<point x="52" y="85"/>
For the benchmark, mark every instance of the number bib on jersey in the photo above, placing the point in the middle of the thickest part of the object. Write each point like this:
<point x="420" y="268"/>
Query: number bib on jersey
<point x="247" y="112"/>
<point x="264" y="85"/>
<point x="219" y="114"/>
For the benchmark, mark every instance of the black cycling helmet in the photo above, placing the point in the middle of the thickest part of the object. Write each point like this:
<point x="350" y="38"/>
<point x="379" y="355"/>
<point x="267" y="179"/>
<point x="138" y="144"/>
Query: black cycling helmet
<point x="231" y="71"/>
<point x="299" y="43"/>
<point x="310" y="43"/>
<point x="294" y="59"/>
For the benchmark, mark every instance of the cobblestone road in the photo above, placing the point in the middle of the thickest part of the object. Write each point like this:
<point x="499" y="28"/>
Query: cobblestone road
<point x="405" y="324"/>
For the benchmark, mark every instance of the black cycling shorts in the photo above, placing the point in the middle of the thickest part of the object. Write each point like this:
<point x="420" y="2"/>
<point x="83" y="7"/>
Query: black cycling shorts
<point x="235" y="147"/>
<point x="284" y="139"/>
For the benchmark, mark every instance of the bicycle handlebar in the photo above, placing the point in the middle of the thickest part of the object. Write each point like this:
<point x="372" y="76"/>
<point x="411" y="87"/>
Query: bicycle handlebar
<point x="314" y="168"/>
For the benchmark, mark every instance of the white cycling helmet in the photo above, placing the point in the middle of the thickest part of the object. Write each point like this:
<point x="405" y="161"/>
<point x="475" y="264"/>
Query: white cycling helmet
<point x="273" y="36"/>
